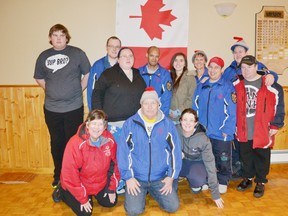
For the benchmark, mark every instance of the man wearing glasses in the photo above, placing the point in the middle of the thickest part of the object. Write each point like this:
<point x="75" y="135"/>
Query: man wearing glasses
<point x="113" y="46"/>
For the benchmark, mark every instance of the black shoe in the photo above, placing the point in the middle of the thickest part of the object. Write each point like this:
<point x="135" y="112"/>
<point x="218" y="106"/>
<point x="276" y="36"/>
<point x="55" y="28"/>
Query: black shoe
<point x="56" y="195"/>
<point x="245" y="184"/>
<point x="259" y="190"/>
<point x="55" y="183"/>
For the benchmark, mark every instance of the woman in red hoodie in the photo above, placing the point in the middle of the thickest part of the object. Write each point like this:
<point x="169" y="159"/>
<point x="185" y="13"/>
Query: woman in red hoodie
<point x="89" y="167"/>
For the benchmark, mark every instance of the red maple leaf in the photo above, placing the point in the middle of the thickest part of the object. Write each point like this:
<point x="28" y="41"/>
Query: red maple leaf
<point x="152" y="17"/>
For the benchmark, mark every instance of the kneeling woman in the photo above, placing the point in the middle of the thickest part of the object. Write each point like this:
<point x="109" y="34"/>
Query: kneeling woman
<point x="198" y="160"/>
<point x="89" y="167"/>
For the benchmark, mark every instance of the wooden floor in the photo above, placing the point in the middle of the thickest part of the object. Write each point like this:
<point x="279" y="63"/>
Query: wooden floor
<point x="34" y="198"/>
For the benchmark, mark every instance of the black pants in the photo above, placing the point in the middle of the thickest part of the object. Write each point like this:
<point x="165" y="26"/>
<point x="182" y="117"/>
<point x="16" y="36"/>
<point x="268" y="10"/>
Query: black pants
<point x="256" y="162"/>
<point x="75" y="205"/>
<point x="61" y="126"/>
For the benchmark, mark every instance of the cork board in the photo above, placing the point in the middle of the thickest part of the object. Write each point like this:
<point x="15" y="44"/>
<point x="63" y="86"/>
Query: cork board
<point x="272" y="38"/>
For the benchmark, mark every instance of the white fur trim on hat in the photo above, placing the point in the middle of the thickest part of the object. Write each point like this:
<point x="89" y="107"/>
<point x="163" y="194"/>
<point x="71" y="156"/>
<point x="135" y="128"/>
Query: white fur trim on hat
<point x="149" y="93"/>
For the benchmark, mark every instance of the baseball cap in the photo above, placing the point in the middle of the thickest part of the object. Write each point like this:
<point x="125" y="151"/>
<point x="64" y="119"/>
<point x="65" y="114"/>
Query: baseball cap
<point x="249" y="60"/>
<point x="217" y="60"/>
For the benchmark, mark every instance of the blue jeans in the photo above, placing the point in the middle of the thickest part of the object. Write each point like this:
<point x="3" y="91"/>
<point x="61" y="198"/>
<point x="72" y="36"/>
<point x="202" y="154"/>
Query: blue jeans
<point x="195" y="172"/>
<point x="223" y="159"/>
<point x="235" y="152"/>
<point x="135" y="205"/>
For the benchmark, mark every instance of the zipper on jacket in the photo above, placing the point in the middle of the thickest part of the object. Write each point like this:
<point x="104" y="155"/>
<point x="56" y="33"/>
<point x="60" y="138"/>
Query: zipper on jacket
<point x="243" y="114"/>
<point x="150" y="151"/>
<point x="150" y="160"/>
<point x="207" y="116"/>
<point x="150" y="78"/>
<point x="265" y="105"/>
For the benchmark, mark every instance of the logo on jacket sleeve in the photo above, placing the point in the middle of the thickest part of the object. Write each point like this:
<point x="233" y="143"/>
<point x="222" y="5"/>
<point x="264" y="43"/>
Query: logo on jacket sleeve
<point x="169" y="85"/>
<point x="234" y="97"/>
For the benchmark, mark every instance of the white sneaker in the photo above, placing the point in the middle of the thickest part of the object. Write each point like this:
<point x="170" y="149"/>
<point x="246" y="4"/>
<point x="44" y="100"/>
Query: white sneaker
<point x="222" y="188"/>
<point x="196" y="190"/>
<point x="205" y="187"/>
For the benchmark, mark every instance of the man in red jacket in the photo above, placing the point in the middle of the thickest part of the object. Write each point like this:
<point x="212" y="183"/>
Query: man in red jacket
<point x="260" y="113"/>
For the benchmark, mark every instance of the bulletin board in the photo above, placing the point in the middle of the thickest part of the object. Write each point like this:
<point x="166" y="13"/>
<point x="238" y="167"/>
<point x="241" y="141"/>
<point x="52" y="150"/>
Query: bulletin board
<point x="272" y="38"/>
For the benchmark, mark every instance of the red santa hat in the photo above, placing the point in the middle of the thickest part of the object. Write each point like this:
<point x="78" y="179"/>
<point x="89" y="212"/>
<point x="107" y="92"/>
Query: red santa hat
<point x="149" y="93"/>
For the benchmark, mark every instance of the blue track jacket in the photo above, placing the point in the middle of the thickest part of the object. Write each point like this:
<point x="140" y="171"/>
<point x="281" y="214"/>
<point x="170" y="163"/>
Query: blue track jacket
<point x="95" y="72"/>
<point x="205" y="75"/>
<point x="232" y="72"/>
<point x="149" y="158"/>
<point x="215" y="104"/>
<point x="162" y="82"/>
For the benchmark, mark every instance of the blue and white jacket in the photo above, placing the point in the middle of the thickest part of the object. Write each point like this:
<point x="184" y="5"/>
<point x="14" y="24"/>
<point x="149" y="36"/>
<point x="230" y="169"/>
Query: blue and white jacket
<point x="161" y="81"/>
<point x="215" y="104"/>
<point x="95" y="72"/>
<point x="231" y="72"/>
<point x="149" y="158"/>
<point x="204" y="76"/>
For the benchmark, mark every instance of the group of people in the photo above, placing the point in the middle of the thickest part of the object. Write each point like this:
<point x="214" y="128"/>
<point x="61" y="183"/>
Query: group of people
<point x="147" y="127"/>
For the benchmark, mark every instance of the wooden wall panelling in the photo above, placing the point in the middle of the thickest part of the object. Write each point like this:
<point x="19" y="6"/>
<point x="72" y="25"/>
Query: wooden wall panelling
<point x="17" y="114"/>
<point x="25" y="141"/>
<point x="37" y="135"/>
<point x="9" y="129"/>
<point x="4" y="144"/>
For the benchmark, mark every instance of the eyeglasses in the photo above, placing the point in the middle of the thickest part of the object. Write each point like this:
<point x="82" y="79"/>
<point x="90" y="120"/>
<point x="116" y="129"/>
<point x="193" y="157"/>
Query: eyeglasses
<point x="113" y="47"/>
<point x="126" y="56"/>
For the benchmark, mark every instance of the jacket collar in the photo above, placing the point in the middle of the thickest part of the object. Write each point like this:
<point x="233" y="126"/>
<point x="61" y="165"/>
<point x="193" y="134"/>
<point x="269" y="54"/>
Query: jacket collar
<point x="156" y="73"/>
<point x="208" y="84"/>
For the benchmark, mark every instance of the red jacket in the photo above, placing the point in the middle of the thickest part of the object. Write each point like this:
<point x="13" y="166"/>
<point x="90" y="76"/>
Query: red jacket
<point x="87" y="169"/>
<point x="269" y="113"/>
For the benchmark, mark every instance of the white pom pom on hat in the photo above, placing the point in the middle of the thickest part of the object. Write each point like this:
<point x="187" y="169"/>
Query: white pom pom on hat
<point x="149" y="93"/>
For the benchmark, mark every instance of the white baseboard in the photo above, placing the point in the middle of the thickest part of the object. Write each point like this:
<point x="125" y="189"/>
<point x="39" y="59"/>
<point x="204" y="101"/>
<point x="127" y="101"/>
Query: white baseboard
<point x="279" y="156"/>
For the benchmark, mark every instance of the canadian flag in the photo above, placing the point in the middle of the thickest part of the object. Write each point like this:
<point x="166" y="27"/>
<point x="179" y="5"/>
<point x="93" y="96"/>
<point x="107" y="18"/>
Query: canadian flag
<point x="144" y="23"/>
